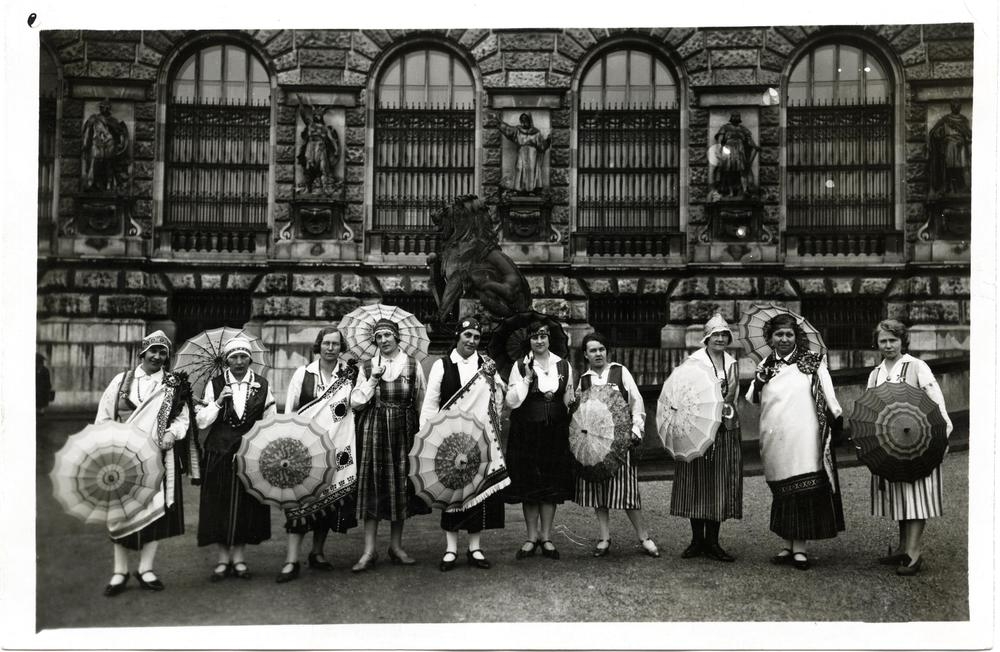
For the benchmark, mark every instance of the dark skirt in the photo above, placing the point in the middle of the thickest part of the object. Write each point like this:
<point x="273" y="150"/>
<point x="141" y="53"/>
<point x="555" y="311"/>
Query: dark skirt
<point x="539" y="462"/>
<point x="171" y="524"/>
<point x="487" y="515"/>
<point x="227" y="514"/>
<point x="711" y="487"/>
<point x="337" y="518"/>
<point x="806" y="507"/>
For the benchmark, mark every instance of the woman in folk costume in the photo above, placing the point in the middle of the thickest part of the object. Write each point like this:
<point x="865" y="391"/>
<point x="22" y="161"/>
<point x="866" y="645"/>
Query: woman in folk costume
<point x="228" y="517"/>
<point x="320" y="391"/>
<point x="795" y="392"/>
<point x="467" y="380"/>
<point x="622" y="490"/>
<point x="910" y="503"/>
<point x="390" y="387"/>
<point x="709" y="489"/>
<point x="159" y="403"/>
<point x="538" y="457"/>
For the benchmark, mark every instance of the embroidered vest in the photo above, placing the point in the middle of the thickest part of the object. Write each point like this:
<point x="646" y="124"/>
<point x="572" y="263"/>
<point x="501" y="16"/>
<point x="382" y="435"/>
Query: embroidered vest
<point x="451" y="381"/>
<point x="536" y="407"/>
<point x="614" y="378"/>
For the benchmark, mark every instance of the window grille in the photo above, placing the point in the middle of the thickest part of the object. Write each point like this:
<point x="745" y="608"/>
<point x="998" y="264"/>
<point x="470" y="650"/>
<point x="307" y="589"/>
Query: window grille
<point x="839" y="143"/>
<point x="628" y="162"/>
<point x="425" y="139"/>
<point x="844" y="322"/>
<point x="629" y="321"/>
<point x="195" y="311"/>
<point x="218" y="142"/>
<point x="47" y="91"/>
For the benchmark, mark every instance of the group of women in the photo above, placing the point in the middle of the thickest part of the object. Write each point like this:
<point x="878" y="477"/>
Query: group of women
<point x="379" y="406"/>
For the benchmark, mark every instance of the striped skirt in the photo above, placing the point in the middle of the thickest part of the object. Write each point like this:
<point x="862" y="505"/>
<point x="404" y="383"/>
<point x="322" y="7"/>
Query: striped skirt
<point x="711" y="488"/>
<point x="619" y="492"/>
<point x="904" y="501"/>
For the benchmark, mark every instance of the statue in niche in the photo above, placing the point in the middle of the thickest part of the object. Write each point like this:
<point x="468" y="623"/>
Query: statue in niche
<point x="469" y="262"/>
<point x="951" y="152"/>
<point x="531" y="145"/>
<point x="319" y="151"/>
<point x="736" y="152"/>
<point x="105" y="151"/>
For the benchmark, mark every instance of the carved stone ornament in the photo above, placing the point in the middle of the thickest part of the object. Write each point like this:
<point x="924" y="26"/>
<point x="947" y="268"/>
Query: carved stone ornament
<point x="524" y="218"/>
<point x="321" y="221"/>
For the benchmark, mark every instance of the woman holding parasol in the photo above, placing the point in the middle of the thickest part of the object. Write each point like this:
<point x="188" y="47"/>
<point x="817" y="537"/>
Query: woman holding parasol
<point x="158" y="402"/>
<point x="326" y="381"/>
<point x="795" y="392"/>
<point x="538" y="457"/>
<point x="709" y="489"/>
<point x="390" y="387"/>
<point x="910" y="503"/>
<point x="228" y="517"/>
<point x="621" y="491"/>
<point x="466" y="381"/>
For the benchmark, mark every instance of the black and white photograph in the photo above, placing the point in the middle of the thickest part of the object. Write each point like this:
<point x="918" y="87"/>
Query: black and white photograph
<point x="468" y="326"/>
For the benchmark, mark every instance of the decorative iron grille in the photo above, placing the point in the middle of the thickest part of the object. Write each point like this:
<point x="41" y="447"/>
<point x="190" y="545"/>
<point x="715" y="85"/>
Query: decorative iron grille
<point x="844" y="322"/>
<point x="46" y="158"/>
<point x="630" y="321"/>
<point x="840" y="157"/>
<point x="424" y="158"/>
<point x="201" y="310"/>
<point x="217" y="163"/>
<point x="628" y="170"/>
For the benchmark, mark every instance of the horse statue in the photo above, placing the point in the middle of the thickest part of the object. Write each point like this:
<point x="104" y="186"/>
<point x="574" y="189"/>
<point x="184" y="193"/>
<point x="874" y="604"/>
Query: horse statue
<point x="470" y="262"/>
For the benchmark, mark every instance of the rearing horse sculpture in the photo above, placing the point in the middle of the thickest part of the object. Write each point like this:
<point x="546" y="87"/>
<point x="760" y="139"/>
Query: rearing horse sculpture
<point x="470" y="261"/>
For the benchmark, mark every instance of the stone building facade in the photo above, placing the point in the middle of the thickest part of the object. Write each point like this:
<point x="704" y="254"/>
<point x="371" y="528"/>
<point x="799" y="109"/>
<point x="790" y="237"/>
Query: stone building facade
<point x="207" y="218"/>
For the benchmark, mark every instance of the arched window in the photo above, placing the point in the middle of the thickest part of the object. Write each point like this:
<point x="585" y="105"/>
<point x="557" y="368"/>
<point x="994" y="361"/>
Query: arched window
<point x="48" y="93"/>
<point x="628" y="165"/>
<point x="425" y="145"/>
<point x="840" y="147"/>
<point x="218" y="147"/>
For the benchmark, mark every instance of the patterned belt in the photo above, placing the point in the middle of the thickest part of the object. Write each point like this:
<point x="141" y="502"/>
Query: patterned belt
<point x="393" y="405"/>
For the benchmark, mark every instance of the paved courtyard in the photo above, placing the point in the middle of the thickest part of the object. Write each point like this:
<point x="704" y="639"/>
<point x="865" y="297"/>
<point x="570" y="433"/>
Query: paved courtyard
<point x="845" y="583"/>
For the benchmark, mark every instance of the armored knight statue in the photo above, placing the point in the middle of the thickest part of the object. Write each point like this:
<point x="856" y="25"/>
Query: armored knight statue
<point x="951" y="152"/>
<point x="105" y="151"/>
<point x="737" y="150"/>
<point x="319" y="151"/>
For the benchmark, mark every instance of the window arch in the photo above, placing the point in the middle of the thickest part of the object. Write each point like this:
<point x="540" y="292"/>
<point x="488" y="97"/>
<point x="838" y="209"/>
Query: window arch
<point x="424" y="143"/>
<point x="628" y="143"/>
<point x="218" y="147"/>
<point x="840" y="149"/>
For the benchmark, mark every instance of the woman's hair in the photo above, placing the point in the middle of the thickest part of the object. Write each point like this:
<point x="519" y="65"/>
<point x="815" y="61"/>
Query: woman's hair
<point x="895" y="327"/>
<point x="323" y="332"/>
<point x="536" y="326"/>
<point x="785" y="320"/>
<point x="593" y="337"/>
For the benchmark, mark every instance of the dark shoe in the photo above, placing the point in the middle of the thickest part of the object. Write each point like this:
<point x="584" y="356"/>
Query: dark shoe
<point x="152" y="585"/>
<point x="524" y="554"/>
<point x="651" y="549"/>
<point x="221" y="571"/>
<point x="316" y="564"/>
<point x="242" y="573"/>
<point x="288" y="576"/>
<point x="551" y="553"/>
<point x="111" y="590"/>
<point x="365" y="563"/>
<point x="783" y="557"/>
<point x="801" y="561"/>
<point x="694" y="549"/>
<point x="602" y="551"/>
<point x="470" y="557"/>
<point x="447" y="564"/>
<point x="910" y="568"/>
<point x="891" y="559"/>
<point x="715" y="551"/>
<point x="400" y="558"/>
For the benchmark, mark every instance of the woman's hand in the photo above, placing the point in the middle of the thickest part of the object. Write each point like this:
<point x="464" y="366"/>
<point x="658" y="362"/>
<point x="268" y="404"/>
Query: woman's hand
<point x="226" y="392"/>
<point x="167" y="442"/>
<point x="377" y="372"/>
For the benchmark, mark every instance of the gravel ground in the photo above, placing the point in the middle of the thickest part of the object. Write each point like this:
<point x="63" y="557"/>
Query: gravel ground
<point x="624" y="586"/>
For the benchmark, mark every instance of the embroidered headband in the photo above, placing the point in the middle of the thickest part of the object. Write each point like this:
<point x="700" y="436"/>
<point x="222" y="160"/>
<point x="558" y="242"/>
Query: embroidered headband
<point x="236" y="345"/>
<point x="156" y="338"/>
<point x="386" y="325"/>
<point x="467" y="324"/>
<point x="541" y="329"/>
